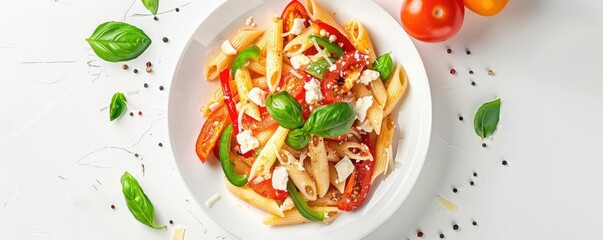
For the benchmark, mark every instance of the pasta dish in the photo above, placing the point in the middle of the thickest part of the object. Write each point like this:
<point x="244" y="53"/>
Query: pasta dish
<point x="302" y="121"/>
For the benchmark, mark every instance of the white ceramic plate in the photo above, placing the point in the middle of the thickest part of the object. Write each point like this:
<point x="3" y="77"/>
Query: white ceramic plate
<point x="189" y="91"/>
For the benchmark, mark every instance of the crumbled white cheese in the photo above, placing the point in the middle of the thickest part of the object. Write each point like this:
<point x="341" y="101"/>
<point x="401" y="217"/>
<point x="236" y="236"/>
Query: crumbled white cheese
<point x="313" y="94"/>
<point x="280" y="178"/>
<point x="227" y="48"/>
<point x="332" y="38"/>
<point x="178" y="233"/>
<point x="365" y="126"/>
<point x="298" y="26"/>
<point x="362" y="106"/>
<point x="249" y="21"/>
<point x="344" y="168"/>
<point x="368" y="76"/>
<point x="210" y="202"/>
<point x="287" y="204"/>
<point x="247" y="141"/>
<point x="326" y="214"/>
<point x="214" y="106"/>
<point x="257" y="96"/>
<point x="300" y="60"/>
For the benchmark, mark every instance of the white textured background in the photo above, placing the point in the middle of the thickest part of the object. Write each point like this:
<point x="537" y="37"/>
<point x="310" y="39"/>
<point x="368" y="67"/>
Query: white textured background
<point x="61" y="159"/>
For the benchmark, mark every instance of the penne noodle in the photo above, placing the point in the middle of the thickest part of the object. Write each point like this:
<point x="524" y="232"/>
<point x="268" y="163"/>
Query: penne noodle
<point x="300" y="43"/>
<point x="360" y="90"/>
<point x="317" y="12"/>
<point x="375" y="116"/>
<point x="330" y="200"/>
<point x="293" y="216"/>
<point x="360" y="39"/>
<point x="384" y="140"/>
<point x="242" y="164"/>
<point x="260" y="82"/>
<point x="274" y="54"/>
<point x="299" y="176"/>
<point x="248" y="195"/>
<point x="262" y="41"/>
<point x="352" y="150"/>
<point x="333" y="178"/>
<point x="396" y="87"/>
<point x="221" y="61"/>
<point x="244" y="85"/>
<point x="264" y="134"/>
<point x="320" y="164"/>
<point x="217" y="97"/>
<point x="377" y="87"/>
<point x="267" y="156"/>
<point x="258" y="67"/>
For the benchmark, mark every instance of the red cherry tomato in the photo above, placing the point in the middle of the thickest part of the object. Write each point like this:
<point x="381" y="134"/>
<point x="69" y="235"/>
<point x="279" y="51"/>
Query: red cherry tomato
<point x="486" y="7"/>
<point x="211" y="131"/>
<point x="293" y="10"/>
<point x="265" y="189"/>
<point x="432" y="20"/>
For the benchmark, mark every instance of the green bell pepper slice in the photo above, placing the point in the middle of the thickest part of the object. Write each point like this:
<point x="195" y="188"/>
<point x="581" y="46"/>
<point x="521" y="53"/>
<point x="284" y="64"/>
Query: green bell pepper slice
<point x="227" y="167"/>
<point x="319" y="68"/>
<point x="251" y="52"/>
<point x="328" y="46"/>
<point x="302" y="205"/>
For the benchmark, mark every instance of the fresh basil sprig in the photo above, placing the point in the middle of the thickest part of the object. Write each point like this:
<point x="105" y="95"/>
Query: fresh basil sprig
<point x="384" y="64"/>
<point x="151" y="5"/>
<point x="486" y="118"/>
<point x="331" y="120"/>
<point x="285" y="110"/>
<point x="297" y="139"/>
<point x="118" y="106"/>
<point x="138" y="203"/>
<point x="118" y="41"/>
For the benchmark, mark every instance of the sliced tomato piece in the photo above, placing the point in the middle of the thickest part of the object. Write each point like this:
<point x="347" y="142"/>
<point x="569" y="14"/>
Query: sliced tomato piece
<point x="265" y="189"/>
<point x="294" y="86"/>
<point x="293" y="10"/>
<point x="210" y="133"/>
<point x="334" y="91"/>
<point x="359" y="182"/>
<point x="252" y="124"/>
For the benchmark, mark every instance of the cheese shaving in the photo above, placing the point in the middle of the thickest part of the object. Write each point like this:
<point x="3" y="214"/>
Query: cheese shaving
<point x="324" y="55"/>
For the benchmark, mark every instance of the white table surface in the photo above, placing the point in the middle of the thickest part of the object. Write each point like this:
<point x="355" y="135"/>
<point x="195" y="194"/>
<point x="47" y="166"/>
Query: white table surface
<point x="61" y="159"/>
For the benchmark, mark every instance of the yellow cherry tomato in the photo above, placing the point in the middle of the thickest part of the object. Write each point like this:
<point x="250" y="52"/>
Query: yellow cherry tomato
<point x="486" y="7"/>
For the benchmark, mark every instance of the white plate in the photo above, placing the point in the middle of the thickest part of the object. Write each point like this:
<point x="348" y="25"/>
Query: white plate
<point x="189" y="91"/>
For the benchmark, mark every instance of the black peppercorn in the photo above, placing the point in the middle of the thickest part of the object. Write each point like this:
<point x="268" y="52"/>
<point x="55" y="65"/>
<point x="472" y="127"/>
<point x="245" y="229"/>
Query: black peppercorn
<point x="135" y="154"/>
<point x="468" y="52"/>
<point x="474" y="223"/>
<point x="112" y="206"/>
<point x="135" y="70"/>
<point x="177" y="9"/>
<point x="131" y="114"/>
<point x="461" y="118"/>
<point x="474" y="174"/>
<point x="160" y="144"/>
<point x="165" y="39"/>
<point x="484" y="145"/>
<point x="449" y="51"/>
<point x="146" y="85"/>
<point x="471" y="183"/>
<point x="470" y="71"/>
<point x="472" y="83"/>
<point x="454" y="190"/>
<point x="171" y="222"/>
<point x="161" y="88"/>
<point x="155" y="18"/>
<point x="455" y="227"/>
<point x="504" y="162"/>
<point x="441" y="235"/>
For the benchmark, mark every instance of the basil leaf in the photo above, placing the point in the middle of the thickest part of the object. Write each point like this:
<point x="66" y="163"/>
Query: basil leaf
<point x="486" y="118"/>
<point x="251" y="52"/>
<point x="384" y="65"/>
<point x="285" y="110"/>
<point x="297" y="139"/>
<point x="138" y="203"/>
<point x="152" y="5"/>
<point x="331" y="120"/>
<point x="118" y="41"/>
<point x="118" y="106"/>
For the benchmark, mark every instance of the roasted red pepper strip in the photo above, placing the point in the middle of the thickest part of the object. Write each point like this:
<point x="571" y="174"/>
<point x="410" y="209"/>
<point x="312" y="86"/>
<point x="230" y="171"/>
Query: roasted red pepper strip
<point x="265" y="189"/>
<point x="230" y="104"/>
<point x="210" y="133"/>
<point x="347" y="45"/>
<point x="359" y="183"/>
<point x="330" y="88"/>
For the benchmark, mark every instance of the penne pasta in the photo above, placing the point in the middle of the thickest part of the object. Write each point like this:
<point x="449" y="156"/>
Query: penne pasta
<point x="267" y="156"/>
<point x="396" y="87"/>
<point x="360" y="39"/>
<point x="274" y="54"/>
<point x="379" y="92"/>
<point x="331" y="199"/>
<point x="258" y="67"/>
<point x="263" y="135"/>
<point x="320" y="164"/>
<point x="333" y="178"/>
<point x="260" y="82"/>
<point x="222" y="61"/>
<point x="217" y="99"/>
<point x="300" y="43"/>
<point x="384" y="140"/>
<point x="375" y="115"/>
<point x="262" y="41"/>
<point x="248" y="195"/>
<point x="352" y="150"/>
<point x="317" y="12"/>
<point x="299" y="176"/>
<point x="360" y="90"/>
<point x="244" y="85"/>
<point x="293" y="216"/>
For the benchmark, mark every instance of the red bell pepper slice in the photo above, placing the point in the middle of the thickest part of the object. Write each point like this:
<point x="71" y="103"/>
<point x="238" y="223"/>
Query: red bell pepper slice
<point x="265" y="189"/>
<point x="230" y="104"/>
<point x="341" y="38"/>
<point x="331" y="90"/>
<point x="359" y="183"/>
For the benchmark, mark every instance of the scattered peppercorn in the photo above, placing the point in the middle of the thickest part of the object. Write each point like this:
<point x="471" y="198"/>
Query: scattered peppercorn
<point x="454" y="190"/>
<point x="419" y="234"/>
<point x="149" y="69"/>
<point x="470" y="71"/>
<point x="455" y="227"/>
<point x="146" y="85"/>
<point x="474" y="223"/>
<point x="484" y="145"/>
<point x="155" y="18"/>
<point x="131" y="114"/>
<point x="441" y="235"/>
<point x="468" y="52"/>
<point x="461" y="118"/>
<point x="472" y="83"/>
<point x="490" y="72"/>
<point x="504" y="162"/>
<point x="135" y="70"/>
<point x="449" y="51"/>
<point x="124" y="67"/>
<point x="177" y="9"/>
<point x="165" y="39"/>
<point x="160" y="144"/>
<point x="135" y="154"/>
<point x="139" y="113"/>
<point x="149" y="64"/>
<point x="452" y="71"/>
<point x="171" y="222"/>
<point x="471" y="183"/>
<point x="474" y="174"/>
<point x="161" y="88"/>
<point x="112" y="206"/>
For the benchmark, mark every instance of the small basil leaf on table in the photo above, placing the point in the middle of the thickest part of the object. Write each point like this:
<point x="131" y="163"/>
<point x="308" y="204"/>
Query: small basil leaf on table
<point x="384" y="64"/>
<point x="285" y="110"/>
<point x="151" y="5"/>
<point x="138" y="203"/>
<point x="486" y="118"/>
<point x="117" y="106"/>
<point x="331" y="120"/>
<point x="297" y="139"/>
<point x="118" y="41"/>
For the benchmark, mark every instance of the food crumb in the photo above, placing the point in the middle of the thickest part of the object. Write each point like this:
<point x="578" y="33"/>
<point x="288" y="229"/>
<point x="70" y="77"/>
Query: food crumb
<point x="149" y="69"/>
<point x="124" y="67"/>
<point x="490" y="72"/>
<point x="112" y="206"/>
<point x="447" y="204"/>
<point x="210" y="202"/>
